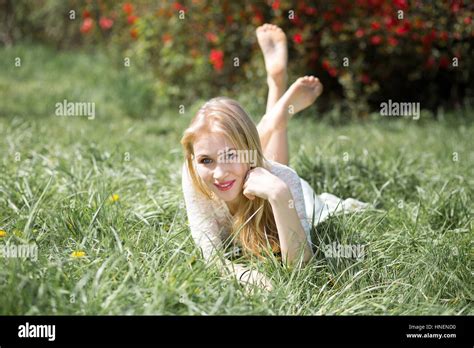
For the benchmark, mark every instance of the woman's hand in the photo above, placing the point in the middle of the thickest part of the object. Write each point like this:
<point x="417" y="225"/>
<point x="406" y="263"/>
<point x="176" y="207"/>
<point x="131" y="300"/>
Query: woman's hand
<point x="259" y="182"/>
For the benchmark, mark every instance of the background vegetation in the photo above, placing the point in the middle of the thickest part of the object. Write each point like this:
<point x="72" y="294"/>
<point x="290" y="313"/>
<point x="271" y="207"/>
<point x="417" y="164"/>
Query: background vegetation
<point x="365" y="51"/>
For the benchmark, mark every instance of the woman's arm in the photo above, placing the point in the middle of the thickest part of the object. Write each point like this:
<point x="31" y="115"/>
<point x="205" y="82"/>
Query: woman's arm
<point x="202" y="223"/>
<point x="244" y="275"/>
<point x="293" y="239"/>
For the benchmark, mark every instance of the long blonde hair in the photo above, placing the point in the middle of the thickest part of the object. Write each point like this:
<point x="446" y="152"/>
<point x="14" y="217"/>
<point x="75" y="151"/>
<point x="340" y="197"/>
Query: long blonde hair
<point x="253" y="223"/>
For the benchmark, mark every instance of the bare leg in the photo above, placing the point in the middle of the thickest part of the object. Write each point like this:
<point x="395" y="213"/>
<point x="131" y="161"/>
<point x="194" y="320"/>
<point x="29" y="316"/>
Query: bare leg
<point x="273" y="131"/>
<point x="277" y="148"/>
<point x="272" y="41"/>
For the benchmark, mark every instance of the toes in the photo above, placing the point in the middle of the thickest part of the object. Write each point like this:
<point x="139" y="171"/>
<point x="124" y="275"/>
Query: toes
<point x="308" y="80"/>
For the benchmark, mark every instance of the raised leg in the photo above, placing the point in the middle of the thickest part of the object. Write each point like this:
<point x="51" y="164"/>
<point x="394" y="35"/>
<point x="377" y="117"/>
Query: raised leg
<point x="272" y="41"/>
<point x="273" y="127"/>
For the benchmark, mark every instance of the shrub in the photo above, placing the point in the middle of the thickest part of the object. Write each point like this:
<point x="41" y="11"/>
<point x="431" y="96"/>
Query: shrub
<point x="365" y="51"/>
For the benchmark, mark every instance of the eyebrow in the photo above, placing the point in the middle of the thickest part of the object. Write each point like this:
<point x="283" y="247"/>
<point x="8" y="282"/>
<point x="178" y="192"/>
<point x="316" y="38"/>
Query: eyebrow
<point x="206" y="155"/>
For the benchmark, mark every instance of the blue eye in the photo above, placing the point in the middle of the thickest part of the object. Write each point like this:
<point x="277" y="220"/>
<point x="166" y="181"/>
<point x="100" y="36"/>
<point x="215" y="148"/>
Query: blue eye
<point x="231" y="154"/>
<point x="204" y="161"/>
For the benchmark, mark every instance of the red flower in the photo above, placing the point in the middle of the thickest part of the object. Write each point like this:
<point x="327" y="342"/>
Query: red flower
<point x="402" y="30"/>
<point x="456" y="5"/>
<point x="166" y="38"/>
<point x="392" y="41"/>
<point x="216" y="57"/>
<point x="467" y="20"/>
<point x="337" y="26"/>
<point x="276" y="4"/>
<point x="127" y="8"/>
<point x="365" y="78"/>
<point x="444" y="62"/>
<point x="376" y="40"/>
<point x="258" y="17"/>
<point x="298" y="38"/>
<point x="134" y="33"/>
<point x="359" y="33"/>
<point x="310" y="11"/>
<point x="326" y="65"/>
<point x="327" y="16"/>
<point x="389" y="21"/>
<point x="87" y="25"/>
<point x="333" y="72"/>
<point x="401" y="4"/>
<point x="86" y="14"/>
<point x="375" y="3"/>
<point x="178" y="7"/>
<point x="375" y="25"/>
<point x="444" y="36"/>
<point x="211" y="37"/>
<point x="132" y="19"/>
<point x="106" y="23"/>
<point x="426" y="39"/>
<point x="419" y="24"/>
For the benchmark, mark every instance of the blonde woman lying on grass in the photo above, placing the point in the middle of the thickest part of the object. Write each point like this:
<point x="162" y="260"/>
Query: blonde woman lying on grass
<point x="238" y="188"/>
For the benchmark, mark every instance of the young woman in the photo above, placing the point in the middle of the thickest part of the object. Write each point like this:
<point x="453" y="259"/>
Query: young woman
<point x="238" y="188"/>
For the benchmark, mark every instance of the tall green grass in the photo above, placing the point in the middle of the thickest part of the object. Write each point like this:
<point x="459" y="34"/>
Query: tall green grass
<point x="57" y="175"/>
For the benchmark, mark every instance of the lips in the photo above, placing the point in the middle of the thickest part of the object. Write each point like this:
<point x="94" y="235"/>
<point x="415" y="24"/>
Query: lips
<point x="225" y="186"/>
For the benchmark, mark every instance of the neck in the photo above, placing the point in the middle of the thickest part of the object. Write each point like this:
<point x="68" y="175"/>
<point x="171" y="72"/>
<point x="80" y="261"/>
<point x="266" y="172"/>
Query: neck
<point x="232" y="206"/>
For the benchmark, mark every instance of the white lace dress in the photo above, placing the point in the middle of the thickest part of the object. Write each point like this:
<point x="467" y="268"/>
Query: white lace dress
<point x="210" y="219"/>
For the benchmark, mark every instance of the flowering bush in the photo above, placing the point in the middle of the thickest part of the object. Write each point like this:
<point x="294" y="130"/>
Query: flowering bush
<point x="364" y="51"/>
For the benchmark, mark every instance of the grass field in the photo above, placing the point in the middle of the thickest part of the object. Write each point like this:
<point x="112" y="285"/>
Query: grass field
<point x="58" y="175"/>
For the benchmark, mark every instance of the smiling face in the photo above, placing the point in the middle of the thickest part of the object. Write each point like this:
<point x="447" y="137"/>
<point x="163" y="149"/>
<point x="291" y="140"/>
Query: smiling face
<point x="216" y="165"/>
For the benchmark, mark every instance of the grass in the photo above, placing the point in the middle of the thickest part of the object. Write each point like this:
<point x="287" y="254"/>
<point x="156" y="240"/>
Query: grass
<point x="58" y="174"/>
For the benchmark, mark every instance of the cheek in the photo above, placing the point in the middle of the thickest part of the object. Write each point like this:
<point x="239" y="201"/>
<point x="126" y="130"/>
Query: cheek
<point x="240" y="170"/>
<point x="203" y="173"/>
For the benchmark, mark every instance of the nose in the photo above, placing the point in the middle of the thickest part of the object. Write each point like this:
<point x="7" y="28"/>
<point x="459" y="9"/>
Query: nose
<point x="220" y="172"/>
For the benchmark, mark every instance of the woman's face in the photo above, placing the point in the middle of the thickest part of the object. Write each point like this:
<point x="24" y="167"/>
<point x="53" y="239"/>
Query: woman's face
<point x="218" y="166"/>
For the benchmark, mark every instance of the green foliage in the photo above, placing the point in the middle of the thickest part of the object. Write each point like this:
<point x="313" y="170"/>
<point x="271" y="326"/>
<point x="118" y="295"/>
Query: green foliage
<point x="365" y="52"/>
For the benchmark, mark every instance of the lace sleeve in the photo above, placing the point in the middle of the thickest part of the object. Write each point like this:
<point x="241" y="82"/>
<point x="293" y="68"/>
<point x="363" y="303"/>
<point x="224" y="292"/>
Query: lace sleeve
<point x="291" y="178"/>
<point x="203" y="225"/>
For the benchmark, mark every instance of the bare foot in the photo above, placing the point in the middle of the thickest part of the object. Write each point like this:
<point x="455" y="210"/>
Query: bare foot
<point x="301" y="94"/>
<point x="272" y="41"/>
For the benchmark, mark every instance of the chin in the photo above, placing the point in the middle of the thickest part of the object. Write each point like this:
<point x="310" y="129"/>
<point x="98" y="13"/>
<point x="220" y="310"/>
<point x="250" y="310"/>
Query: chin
<point x="227" y="198"/>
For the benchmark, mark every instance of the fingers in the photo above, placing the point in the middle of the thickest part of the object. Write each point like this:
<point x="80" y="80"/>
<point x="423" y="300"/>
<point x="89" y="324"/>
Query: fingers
<point x="245" y="190"/>
<point x="247" y="194"/>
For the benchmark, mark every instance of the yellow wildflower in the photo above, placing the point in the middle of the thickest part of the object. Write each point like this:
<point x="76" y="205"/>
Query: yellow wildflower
<point x="114" y="198"/>
<point x="78" y="254"/>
